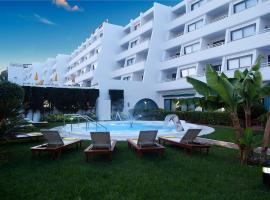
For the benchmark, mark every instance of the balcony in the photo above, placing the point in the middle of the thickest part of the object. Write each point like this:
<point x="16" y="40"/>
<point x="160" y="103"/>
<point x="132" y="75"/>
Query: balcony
<point x="130" y="69"/>
<point x="215" y="44"/>
<point x="211" y="5"/>
<point x="214" y="40"/>
<point x="83" y="64"/>
<point x="85" y="51"/>
<point x="253" y="42"/>
<point x="177" y="84"/>
<point x="146" y="27"/>
<point x="86" y="75"/>
<point x="169" y="75"/>
<point x="217" y="19"/>
<point x="144" y="45"/>
<point x="217" y="14"/>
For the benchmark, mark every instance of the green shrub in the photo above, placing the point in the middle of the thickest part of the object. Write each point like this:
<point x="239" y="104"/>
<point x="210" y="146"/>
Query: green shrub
<point x="262" y="119"/>
<point x="11" y="101"/>
<point x="213" y="118"/>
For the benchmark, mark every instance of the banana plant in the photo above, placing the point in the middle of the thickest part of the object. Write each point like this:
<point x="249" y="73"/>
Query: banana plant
<point x="249" y="87"/>
<point x="220" y="91"/>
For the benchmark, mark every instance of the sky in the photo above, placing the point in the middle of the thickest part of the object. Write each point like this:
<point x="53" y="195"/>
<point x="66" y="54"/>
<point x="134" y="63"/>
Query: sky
<point x="31" y="31"/>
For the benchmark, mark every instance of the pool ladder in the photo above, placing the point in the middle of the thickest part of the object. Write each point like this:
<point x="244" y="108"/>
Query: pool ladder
<point x="88" y="120"/>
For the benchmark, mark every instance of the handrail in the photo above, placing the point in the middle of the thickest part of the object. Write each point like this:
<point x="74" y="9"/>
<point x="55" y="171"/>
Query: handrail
<point x="217" y="18"/>
<point x="265" y="64"/>
<point x="87" y="118"/>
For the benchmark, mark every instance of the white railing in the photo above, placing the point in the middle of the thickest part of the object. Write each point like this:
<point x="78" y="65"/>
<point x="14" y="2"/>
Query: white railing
<point x="139" y="28"/>
<point x="142" y="41"/>
<point x="179" y="15"/>
<point x="265" y="30"/>
<point x="265" y="64"/>
<point x="214" y="45"/>
<point x="168" y="80"/>
<point x="172" y="57"/>
<point x="217" y="19"/>
<point x="176" y="35"/>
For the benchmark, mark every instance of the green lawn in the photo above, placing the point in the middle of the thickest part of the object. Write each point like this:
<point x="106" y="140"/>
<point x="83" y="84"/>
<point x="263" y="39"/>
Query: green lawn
<point x="175" y="176"/>
<point x="227" y="134"/>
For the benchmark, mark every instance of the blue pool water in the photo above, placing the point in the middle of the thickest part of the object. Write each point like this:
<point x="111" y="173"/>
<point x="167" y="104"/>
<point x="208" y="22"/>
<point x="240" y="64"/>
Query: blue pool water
<point x="120" y="126"/>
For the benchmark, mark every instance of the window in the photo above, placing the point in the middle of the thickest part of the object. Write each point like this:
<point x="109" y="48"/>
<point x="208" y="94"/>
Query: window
<point x="133" y="43"/>
<point x="196" y="5"/>
<point x="243" y="32"/>
<point x="173" y="76"/>
<point x="126" y="78"/>
<point x="94" y="66"/>
<point x="192" y="48"/>
<point x="137" y="26"/>
<point x="130" y="61"/>
<point x="240" y="62"/>
<point x="188" y="72"/>
<point x="97" y="50"/>
<point x="217" y="68"/>
<point x="167" y="104"/>
<point x="243" y="5"/>
<point x="196" y="25"/>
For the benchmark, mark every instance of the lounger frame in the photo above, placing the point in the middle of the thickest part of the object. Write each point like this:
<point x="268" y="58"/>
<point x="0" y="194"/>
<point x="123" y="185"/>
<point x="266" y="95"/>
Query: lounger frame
<point x="158" y="148"/>
<point x="55" y="151"/>
<point x="188" y="147"/>
<point x="91" y="151"/>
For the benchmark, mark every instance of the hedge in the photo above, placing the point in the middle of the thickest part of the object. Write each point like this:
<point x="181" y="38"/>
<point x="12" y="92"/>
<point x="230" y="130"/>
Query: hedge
<point x="213" y="118"/>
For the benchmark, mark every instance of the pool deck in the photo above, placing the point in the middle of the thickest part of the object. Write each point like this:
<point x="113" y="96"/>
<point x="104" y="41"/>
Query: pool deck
<point x="229" y="145"/>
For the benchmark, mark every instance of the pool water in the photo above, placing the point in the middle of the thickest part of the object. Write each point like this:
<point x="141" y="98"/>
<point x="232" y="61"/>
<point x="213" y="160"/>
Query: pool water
<point x="121" y="130"/>
<point x="123" y="126"/>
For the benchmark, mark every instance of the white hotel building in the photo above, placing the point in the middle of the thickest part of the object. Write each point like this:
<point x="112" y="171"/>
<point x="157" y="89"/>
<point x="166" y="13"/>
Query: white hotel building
<point x="151" y="56"/>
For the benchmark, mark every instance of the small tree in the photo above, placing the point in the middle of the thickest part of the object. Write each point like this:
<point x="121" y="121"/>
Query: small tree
<point x="219" y="91"/>
<point x="11" y="101"/>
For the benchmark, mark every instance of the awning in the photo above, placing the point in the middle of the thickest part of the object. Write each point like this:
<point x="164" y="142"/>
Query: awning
<point x="116" y="94"/>
<point x="184" y="95"/>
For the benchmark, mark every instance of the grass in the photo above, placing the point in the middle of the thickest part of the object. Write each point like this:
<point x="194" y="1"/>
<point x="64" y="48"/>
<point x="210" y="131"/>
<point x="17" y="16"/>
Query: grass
<point x="227" y="134"/>
<point x="175" y="176"/>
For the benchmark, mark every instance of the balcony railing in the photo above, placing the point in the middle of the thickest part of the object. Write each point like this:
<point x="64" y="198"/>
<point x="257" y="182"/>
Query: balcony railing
<point x="217" y="19"/>
<point x="214" y="45"/>
<point x="172" y="57"/>
<point x="265" y="30"/>
<point x="265" y="64"/>
<point x="210" y="22"/>
<point x="168" y="80"/>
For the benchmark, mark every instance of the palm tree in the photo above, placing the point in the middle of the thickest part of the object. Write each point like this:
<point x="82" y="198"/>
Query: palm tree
<point x="219" y="91"/>
<point x="246" y="88"/>
<point x="250" y="88"/>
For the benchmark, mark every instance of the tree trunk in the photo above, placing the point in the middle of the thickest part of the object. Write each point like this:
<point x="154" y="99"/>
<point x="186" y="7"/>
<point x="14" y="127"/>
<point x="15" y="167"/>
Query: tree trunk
<point x="266" y="133"/>
<point x="247" y="117"/>
<point x="236" y="126"/>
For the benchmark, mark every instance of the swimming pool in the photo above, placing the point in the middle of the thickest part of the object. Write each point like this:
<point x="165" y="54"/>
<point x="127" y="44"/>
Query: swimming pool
<point x="121" y="130"/>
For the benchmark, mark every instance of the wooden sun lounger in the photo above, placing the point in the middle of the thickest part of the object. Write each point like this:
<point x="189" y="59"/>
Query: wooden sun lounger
<point x="132" y="144"/>
<point x="189" y="147"/>
<point x="91" y="151"/>
<point x="55" y="151"/>
<point x="35" y="136"/>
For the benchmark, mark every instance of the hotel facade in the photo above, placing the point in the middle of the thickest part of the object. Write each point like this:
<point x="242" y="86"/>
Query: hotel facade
<point x="150" y="57"/>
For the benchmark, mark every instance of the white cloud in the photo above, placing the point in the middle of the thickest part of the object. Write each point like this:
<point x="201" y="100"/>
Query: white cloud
<point x="66" y="5"/>
<point x="43" y="20"/>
